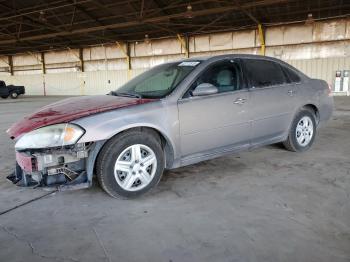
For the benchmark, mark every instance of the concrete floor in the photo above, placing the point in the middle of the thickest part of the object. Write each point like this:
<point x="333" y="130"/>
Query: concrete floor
<point x="264" y="205"/>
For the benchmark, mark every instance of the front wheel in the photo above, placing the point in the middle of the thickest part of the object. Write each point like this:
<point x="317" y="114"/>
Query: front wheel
<point x="130" y="164"/>
<point x="302" y="133"/>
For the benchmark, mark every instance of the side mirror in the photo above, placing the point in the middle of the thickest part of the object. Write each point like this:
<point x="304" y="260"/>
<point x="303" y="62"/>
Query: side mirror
<point x="205" y="89"/>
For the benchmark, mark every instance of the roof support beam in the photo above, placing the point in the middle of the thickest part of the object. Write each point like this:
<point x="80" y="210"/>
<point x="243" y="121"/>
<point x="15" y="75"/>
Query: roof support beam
<point x="142" y="7"/>
<point x="10" y="64"/>
<point x="89" y="15"/>
<point x="128" y="60"/>
<point x="6" y="61"/>
<point x="81" y="60"/>
<point x="249" y="14"/>
<point x="184" y="44"/>
<point x="43" y="66"/>
<point x="163" y="28"/>
<point x="162" y="9"/>
<point x="33" y="22"/>
<point x="107" y="8"/>
<point x="262" y="39"/>
<point x="36" y="11"/>
<point x="211" y="23"/>
<point x="126" y="52"/>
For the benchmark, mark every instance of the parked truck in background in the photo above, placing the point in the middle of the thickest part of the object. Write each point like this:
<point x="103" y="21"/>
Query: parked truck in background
<point x="10" y="90"/>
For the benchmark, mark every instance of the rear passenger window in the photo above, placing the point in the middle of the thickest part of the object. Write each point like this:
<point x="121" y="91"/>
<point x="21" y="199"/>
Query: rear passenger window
<point x="292" y="76"/>
<point x="262" y="73"/>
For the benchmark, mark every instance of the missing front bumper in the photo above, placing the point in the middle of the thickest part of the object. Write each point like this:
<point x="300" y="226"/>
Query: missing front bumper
<point x="42" y="173"/>
<point x="51" y="167"/>
<point x="63" y="176"/>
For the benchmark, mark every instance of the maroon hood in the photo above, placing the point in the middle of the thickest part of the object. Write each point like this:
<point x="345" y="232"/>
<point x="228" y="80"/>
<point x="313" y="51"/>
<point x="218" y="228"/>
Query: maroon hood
<point x="70" y="109"/>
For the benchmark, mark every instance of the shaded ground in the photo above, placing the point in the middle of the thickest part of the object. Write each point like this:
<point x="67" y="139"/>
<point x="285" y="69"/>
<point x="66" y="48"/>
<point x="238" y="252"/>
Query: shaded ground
<point x="264" y="205"/>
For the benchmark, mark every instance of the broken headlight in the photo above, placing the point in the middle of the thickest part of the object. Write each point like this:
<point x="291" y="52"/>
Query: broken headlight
<point x="50" y="136"/>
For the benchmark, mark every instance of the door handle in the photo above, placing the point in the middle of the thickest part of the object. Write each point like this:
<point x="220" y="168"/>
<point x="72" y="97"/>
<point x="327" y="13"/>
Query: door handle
<point x="290" y="92"/>
<point x="240" y="101"/>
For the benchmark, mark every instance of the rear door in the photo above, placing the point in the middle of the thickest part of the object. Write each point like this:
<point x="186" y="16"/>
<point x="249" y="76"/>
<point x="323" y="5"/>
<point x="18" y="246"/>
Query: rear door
<point x="218" y="121"/>
<point x="272" y="100"/>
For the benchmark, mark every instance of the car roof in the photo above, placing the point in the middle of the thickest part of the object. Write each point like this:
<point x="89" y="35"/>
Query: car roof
<point x="218" y="57"/>
<point x="243" y="56"/>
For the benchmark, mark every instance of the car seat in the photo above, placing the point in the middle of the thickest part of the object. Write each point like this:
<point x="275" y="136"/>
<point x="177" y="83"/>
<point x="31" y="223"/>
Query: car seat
<point x="224" y="81"/>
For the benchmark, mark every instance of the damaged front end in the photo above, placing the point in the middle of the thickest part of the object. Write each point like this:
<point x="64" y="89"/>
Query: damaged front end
<point x="54" y="166"/>
<point x="51" y="156"/>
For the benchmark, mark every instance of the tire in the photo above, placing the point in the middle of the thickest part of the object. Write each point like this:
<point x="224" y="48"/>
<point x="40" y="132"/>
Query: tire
<point x="14" y="95"/>
<point x="4" y="97"/>
<point x="125" y="174"/>
<point x="299" y="138"/>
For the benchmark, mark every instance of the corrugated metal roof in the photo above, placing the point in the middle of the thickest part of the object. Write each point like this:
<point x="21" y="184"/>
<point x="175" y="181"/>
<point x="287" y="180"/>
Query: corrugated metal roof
<point x="35" y="25"/>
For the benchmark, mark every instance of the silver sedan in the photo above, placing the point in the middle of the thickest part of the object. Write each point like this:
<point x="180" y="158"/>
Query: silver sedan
<point x="173" y="115"/>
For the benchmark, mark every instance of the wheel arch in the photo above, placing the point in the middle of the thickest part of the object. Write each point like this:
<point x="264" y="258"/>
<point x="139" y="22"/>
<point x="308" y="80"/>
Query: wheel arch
<point x="309" y="106"/>
<point x="166" y="143"/>
<point x="315" y="110"/>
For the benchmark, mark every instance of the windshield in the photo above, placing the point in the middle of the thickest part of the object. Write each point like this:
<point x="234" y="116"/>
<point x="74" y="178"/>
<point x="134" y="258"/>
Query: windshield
<point x="157" y="82"/>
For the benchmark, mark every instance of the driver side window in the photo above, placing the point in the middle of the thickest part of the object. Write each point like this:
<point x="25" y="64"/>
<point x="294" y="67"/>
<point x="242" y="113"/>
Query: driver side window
<point x="225" y="76"/>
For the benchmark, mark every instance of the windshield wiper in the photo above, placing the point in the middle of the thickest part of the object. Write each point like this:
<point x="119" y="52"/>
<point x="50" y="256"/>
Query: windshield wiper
<point x="113" y="93"/>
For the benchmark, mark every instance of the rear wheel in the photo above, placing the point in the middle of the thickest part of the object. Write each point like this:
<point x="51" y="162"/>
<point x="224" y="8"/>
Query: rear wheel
<point x="130" y="164"/>
<point x="302" y="133"/>
<point x="14" y="95"/>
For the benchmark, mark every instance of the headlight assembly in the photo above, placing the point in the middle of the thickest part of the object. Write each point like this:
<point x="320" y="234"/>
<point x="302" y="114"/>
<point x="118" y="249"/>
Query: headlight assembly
<point x="50" y="136"/>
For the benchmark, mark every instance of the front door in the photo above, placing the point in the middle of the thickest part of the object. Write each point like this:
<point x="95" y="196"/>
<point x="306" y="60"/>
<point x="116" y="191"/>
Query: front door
<point x="214" y="123"/>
